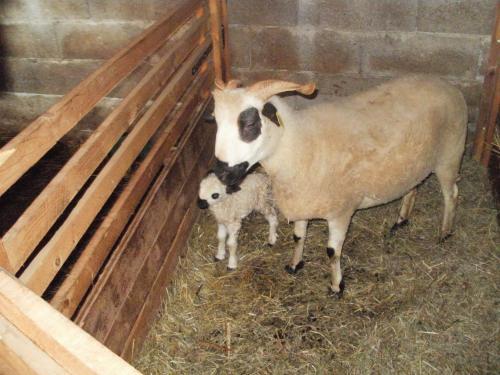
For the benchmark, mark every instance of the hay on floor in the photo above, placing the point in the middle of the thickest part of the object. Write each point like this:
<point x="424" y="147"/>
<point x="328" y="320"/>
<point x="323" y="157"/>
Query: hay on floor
<point x="411" y="305"/>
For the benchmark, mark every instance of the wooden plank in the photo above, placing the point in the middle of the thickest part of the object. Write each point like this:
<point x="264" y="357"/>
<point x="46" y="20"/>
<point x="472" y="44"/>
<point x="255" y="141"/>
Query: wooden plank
<point x="17" y="156"/>
<point x="101" y="308"/>
<point x="4" y="258"/>
<point x="152" y="303"/>
<point x="491" y="122"/>
<point x="36" y="221"/>
<point x="49" y="260"/>
<point x="486" y="121"/>
<point x="69" y="295"/>
<point x="227" y="53"/>
<point x="20" y="356"/>
<point x="179" y="202"/>
<point x="73" y="349"/>
<point x="215" y="31"/>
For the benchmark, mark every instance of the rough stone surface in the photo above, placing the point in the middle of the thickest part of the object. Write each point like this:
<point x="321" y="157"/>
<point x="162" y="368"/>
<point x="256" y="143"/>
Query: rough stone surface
<point x="95" y="41"/>
<point x="43" y="9"/>
<point x="240" y="45"/>
<point x="128" y="10"/>
<point x="422" y="53"/>
<point x="456" y="16"/>
<point x="263" y="12"/>
<point x="28" y="40"/>
<point x="362" y="15"/>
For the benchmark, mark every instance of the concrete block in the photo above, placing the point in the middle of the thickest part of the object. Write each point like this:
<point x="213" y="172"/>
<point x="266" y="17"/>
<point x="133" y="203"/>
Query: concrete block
<point x="128" y="10"/>
<point x="240" y="45"/>
<point x="452" y="16"/>
<point x="249" y="76"/>
<point x="393" y="53"/>
<point x="28" y="40"/>
<point x="297" y="49"/>
<point x="87" y="40"/>
<point x="344" y="84"/>
<point x="43" y="9"/>
<point x="18" y="110"/>
<point x="44" y="76"/>
<point x="263" y="12"/>
<point x="360" y="15"/>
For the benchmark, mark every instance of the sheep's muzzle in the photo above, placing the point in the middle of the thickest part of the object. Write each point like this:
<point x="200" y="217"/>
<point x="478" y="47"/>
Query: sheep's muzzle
<point x="202" y="203"/>
<point x="230" y="176"/>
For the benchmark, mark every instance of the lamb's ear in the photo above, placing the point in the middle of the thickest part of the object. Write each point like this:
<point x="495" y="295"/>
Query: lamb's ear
<point x="230" y="189"/>
<point x="270" y="111"/>
<point x="265" y="89"/>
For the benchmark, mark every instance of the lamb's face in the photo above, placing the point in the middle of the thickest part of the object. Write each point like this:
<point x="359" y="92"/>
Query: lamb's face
<point x="244" y="133"/>
<point x="211" y="191"/>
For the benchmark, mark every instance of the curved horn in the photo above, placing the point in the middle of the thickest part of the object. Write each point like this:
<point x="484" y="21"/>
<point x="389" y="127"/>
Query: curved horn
<point x="234" y="84"/>
<point x="266" y="89"/>
<point x="219" y="84"/>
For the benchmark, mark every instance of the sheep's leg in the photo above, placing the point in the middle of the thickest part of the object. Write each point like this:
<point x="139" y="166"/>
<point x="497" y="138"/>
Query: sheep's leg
<point x="232" y="243"/>
<point x="299" y="236"/>
<point x="406" y="209"/>
<point x="447" y="180"/>
<point x="272" y="219"/>
<point x="221" y="236"/>
<point x="337" y="231"/>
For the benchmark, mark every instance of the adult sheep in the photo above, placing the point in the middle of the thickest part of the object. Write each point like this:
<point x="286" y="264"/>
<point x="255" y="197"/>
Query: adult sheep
<point x="330" y="159"/>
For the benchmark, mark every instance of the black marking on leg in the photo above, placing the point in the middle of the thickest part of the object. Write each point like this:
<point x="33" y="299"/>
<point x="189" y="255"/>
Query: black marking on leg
<point x="330" y="251"/>
<point x="216" y="259"/>
<point x="445" y="237"/>
<point x="397" y="226"/>
<point x="296" y="238"/>
<point x="229" y="269"/>
<point x="269" y="244"/>
<point x="293" y="270"/>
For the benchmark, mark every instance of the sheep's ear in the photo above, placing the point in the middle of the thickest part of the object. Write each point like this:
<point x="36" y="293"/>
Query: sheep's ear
<point x="230" y="189"/>
<point x="270" y="111"/>
<point x="266" y="89"/>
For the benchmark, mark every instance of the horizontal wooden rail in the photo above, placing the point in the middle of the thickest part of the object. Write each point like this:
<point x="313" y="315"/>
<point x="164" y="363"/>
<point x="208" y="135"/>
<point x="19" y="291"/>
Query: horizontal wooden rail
<point x="72" y="290"/>
<point x="36" y="221"/>
<point x="23" y="151"/>
<point x="72" y="348"/>
<point x="49" y="260"/>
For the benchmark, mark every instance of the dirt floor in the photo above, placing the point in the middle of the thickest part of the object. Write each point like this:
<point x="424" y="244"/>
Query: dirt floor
<point x="411" y="305"/>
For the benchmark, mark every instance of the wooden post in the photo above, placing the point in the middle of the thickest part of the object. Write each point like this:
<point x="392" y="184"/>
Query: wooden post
<point x="488" y="111"/>
<point x="215" y="23"/>
<point x="4" y="258"/>
<point x="225" y="37"/>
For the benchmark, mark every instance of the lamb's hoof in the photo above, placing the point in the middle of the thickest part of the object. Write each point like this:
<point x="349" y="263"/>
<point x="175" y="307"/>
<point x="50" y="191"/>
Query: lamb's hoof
<point x="444" y="238"/>
<point x="296" y="238"/>
<point x="293" y="270"/>
<point x="337" y="294"/>
<point x="217" y="259"/>
<point x="269" y="244"/>
<point x="397" y="226"/>
<point x="230" y="269"/>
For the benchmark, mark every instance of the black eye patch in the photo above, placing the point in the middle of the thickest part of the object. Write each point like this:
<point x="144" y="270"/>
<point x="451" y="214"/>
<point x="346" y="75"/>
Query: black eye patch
<point x="249" y="124"/>
<point x="270" y="112"/>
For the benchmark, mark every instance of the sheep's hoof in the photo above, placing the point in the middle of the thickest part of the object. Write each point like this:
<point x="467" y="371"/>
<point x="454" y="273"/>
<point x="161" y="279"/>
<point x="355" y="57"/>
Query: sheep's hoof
<point x="293" y="270"/>
<point x="217" y="259"/>
<point x="269" y="244"/>
<point x="229" y="269"/>
<point x="397" y="226"/>
<point x="444" y="238"/>
<point x="337" y="294"/>
<point x="296" y="238"/>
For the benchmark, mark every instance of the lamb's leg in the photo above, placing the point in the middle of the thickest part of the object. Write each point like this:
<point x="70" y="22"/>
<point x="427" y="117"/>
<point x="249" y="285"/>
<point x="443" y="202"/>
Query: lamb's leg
<point x="299" y="235"/>
<point x="232" y="243"/>
<point x="337" y="231"/>
<point x="272" y="219"/>
<point x="406" y="208"/>
<point x="221" y="236"/>
<point x="447" y="180"/>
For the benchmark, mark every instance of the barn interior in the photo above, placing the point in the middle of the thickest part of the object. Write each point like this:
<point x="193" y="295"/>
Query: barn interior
<point x="411" y="305"/>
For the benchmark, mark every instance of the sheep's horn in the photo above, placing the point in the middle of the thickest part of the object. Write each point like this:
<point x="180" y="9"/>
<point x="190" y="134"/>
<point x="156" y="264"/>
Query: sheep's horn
<point x="232" y="84"/>
<point x="266" y="89"/>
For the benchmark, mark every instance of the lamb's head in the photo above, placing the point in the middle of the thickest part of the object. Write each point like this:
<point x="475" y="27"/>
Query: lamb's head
<point x="212" y="191"/>
<point x="248" y="125"/>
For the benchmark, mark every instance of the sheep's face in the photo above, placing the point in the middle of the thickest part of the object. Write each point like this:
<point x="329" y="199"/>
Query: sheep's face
<point x="247" y="126"/>
<point x="211" y="191"/>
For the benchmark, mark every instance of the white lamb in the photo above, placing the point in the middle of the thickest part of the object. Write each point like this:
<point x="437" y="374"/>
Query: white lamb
<point x="230" y="206"/>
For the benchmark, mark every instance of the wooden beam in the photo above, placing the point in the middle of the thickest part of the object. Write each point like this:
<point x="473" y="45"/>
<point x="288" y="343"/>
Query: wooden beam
<point x="50" y="259"/>
<point x="4" y="258"/>
<point x="215" y="30"/>
<point x="226" y="36"/>
<point x="17" y="156"/>
<point x="72" y="348"/>
<point x="36" y="221"/>
<point x="72" y="290"/>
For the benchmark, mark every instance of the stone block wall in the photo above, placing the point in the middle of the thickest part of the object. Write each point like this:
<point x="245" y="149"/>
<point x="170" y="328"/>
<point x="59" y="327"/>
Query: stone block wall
<point x="48" y="46"/>
<point x="348" y="45"/>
